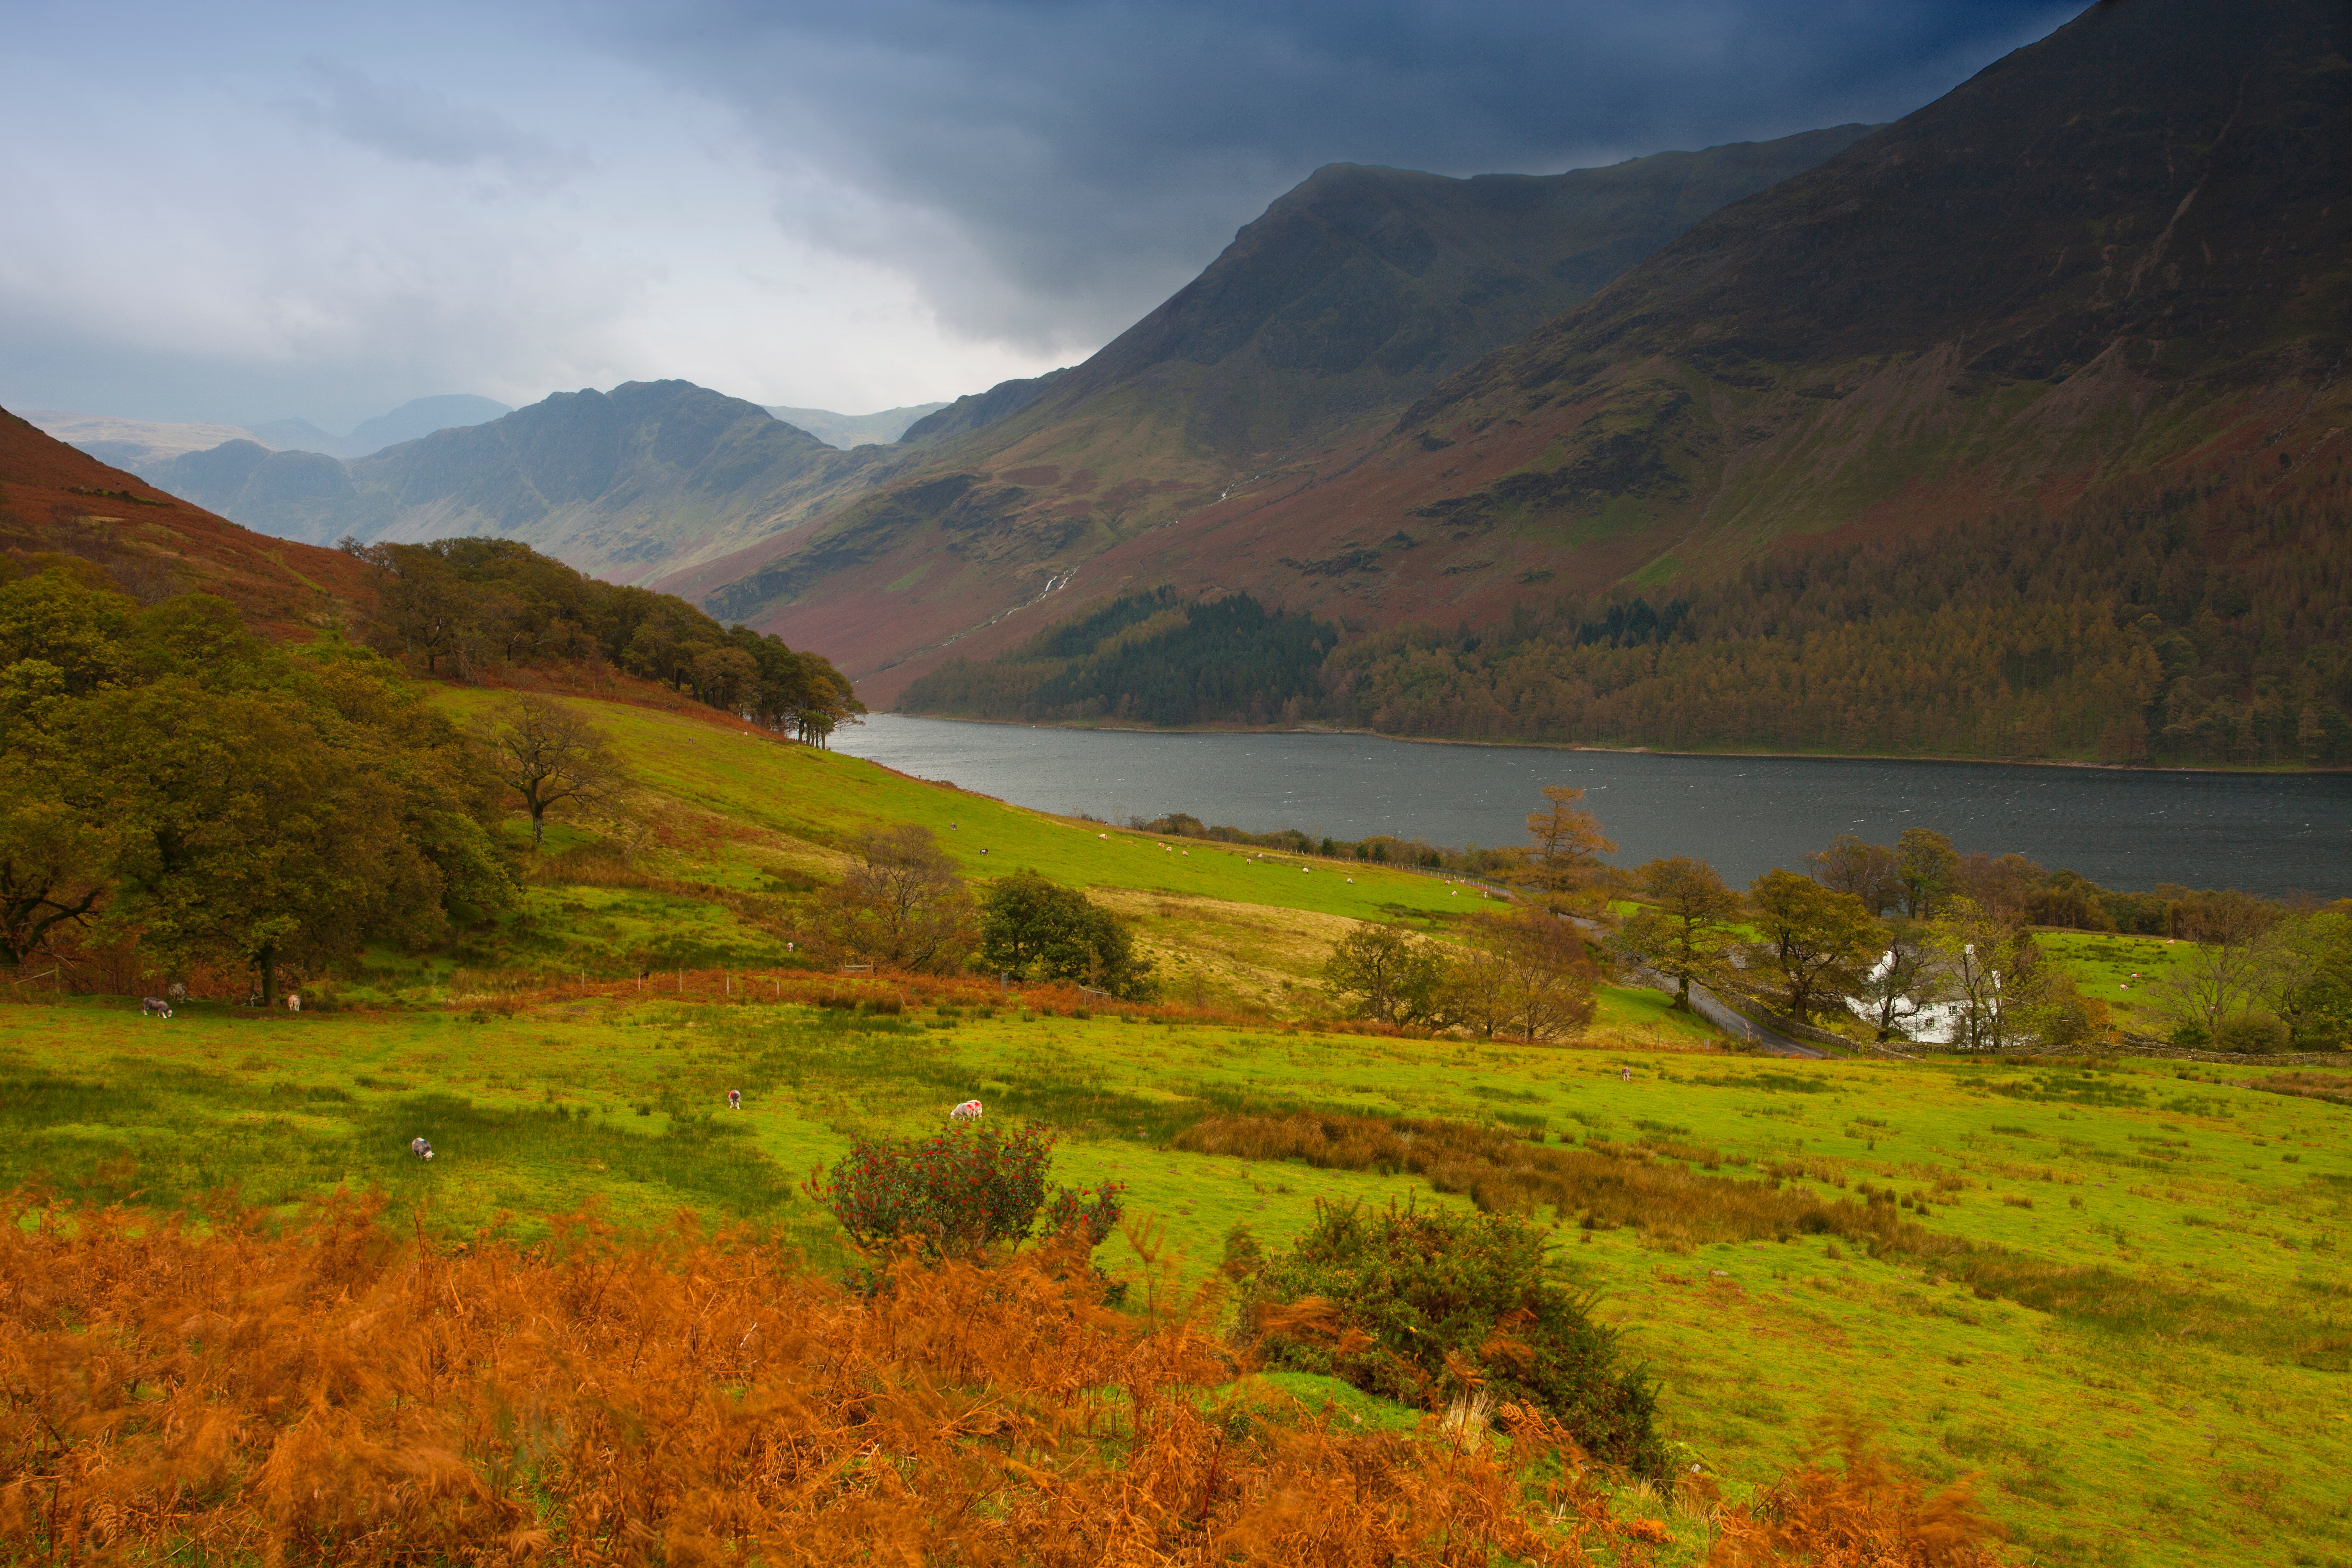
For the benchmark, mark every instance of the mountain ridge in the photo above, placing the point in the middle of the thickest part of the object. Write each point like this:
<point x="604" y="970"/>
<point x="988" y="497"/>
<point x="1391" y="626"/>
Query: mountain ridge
<point x="2116" y="251"/>
<point x="629" y="484"/>
<point x="1351" y="295"/>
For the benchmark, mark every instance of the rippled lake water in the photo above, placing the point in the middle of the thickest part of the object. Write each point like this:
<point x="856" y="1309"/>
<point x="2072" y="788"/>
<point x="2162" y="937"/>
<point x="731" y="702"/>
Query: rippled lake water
<point x="2267" y="833"/>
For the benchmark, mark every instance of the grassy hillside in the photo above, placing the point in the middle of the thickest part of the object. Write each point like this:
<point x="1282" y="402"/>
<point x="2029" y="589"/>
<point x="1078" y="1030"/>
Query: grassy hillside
<point x="2146" y="1359"/>
<point x="2116" y="1293"/>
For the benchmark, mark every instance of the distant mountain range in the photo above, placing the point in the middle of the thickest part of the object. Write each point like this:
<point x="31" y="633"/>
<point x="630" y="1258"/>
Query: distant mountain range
<point x="848" y="430"/>
<point x="2119" y="258"/>
<point x="134" y="443"/>
<point x="671" y="482"/>
<point x="630" y="484"/>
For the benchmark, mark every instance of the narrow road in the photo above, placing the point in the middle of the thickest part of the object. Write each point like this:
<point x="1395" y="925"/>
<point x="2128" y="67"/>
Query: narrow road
<point x="1713" y="1008"/>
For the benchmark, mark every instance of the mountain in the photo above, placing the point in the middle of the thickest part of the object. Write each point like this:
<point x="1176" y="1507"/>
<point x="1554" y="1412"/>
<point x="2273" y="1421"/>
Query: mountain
<point x="418" y="417"/>
<point x="129" y="442"/>
<point x="629" y="484"/>
<point x="2121" y="249"/>
<point x="296" y="436"/>
<point x="1349" y="298"/>
<point x="57" y="499"/>
<point x="2019" y="428"/>
<point x="848" y="430"/>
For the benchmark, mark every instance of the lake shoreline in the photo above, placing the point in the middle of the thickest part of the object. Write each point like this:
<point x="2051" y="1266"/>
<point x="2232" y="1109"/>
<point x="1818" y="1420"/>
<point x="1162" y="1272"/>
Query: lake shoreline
<point x="2148" y="768"/>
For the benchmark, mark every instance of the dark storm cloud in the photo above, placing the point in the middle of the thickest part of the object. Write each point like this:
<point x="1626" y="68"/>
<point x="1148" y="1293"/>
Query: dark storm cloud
<point x="1050" y="168"/>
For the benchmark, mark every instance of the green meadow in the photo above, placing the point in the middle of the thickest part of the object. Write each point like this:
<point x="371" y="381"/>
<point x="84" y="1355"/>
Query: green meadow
<point x="2121" y="1299"/>
<point x="2142" y="1348"/>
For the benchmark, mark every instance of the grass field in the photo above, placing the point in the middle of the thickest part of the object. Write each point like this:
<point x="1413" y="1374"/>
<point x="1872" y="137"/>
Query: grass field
<point x="2125" y="1300"/>
<point x="2144" y="1351"/>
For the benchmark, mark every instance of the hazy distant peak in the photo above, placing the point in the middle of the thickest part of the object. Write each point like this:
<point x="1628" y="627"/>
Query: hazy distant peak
<point x="421" y="417"/>
<point x="848" y="430"/>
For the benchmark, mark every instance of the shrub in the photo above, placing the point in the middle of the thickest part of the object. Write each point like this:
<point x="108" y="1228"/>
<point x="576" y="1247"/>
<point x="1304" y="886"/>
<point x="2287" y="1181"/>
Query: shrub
<point x="2251" y="1032"/>
<point x="959" y="1192"/>
<point x="1416" y="1305"/>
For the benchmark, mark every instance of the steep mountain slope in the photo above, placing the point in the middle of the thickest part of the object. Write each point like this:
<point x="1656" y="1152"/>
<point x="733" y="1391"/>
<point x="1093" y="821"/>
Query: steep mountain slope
<point x="629" y="484"/>
<point x="2123" y="249"/>
<point x="54" y="500"/>
<point x="1352" y="296"/>
<point x="2020" y="429"/>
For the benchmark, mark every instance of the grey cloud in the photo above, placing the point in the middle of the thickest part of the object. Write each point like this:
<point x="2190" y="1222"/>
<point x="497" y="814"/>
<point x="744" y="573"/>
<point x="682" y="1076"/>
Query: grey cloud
<point x="1050" y="168"/>
<point x="401" y="120"/>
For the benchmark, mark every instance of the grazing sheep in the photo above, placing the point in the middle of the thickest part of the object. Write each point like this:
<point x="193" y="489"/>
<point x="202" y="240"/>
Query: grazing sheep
<point x="734" y="1100"/>
<point x="155" y="1007"/>
<point x="293" y="1002"/>
<point x="420" y="1148"/>
<point x="968" y="1111"/>
<point x="175" y="992"/>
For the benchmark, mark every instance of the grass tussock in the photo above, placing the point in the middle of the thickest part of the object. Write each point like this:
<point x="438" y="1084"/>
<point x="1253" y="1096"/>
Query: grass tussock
<point x="1602" y="1186"/>
<point x="341" y="1395"/>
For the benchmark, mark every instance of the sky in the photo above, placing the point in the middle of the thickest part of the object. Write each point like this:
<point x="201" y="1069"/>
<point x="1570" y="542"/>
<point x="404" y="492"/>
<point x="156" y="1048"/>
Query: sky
<point x="244" y="211"/>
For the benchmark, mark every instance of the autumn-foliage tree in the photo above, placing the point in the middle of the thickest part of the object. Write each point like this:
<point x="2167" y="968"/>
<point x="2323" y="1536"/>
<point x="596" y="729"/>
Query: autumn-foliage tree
<point x="1816" y="943"/>
<point x="1530" y="976"/>
<point x="1868" y="871"/>
<point x="1686" y="930"/>
<point x="901" y="904"/>
<point x="1564" y="843"/>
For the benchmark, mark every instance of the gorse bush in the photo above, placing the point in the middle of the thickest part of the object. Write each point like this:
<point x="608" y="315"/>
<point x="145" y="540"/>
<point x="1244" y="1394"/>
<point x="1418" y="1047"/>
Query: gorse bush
<point x="960" y="1192"/>
<point x="1422" y="1306"/>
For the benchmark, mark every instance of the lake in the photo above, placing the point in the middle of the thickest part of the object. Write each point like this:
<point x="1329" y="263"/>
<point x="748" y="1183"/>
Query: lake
<point x="2267" y="833"/>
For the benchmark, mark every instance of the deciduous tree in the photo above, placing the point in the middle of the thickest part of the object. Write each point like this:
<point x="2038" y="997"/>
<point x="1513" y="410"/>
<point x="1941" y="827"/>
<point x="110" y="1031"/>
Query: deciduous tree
<point x="1565" y="844"/>
<point x="1388" y="973"/>
<point x="1029" y="925"/>
<point x="1929" y="869"/>
<point x="902" y="904"/>
<point x="1685" y="931"/>
<point x="551" y="756"/>
<point x="1816" y="941"/>
<point x="1868" y="871"/>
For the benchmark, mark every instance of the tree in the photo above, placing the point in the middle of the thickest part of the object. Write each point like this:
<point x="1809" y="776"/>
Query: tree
<point x="551" y="756"/>
<point x="1031" y="925"/>
<point x="2245" y="957"/>
<point x="1868" y="871"/>
<point x="902" y="904"/>
<point x="1392" y="974"/>
<point x="1928" y="866"/>
<point x="255" y="826"/>
<point x="52" y="864"/>
<point x="1685" y="931"/>
<point x="1820" y="942"/>
<point x="1533" y="979"/>
<point x="1905" y="983"/>
<point x="1564" y="842"/>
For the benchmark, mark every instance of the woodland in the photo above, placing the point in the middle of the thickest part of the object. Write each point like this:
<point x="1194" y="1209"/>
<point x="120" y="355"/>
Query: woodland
<point x="2196" y="623"/>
